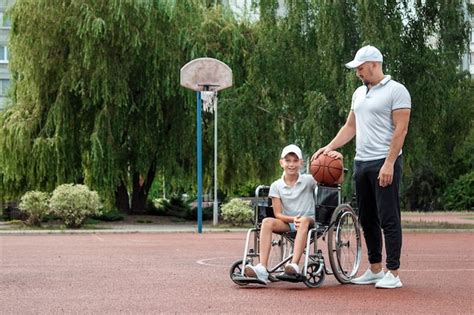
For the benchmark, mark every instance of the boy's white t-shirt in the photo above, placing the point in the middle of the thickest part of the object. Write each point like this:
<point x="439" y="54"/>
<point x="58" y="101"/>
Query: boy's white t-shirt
<point x="296" y="200"/>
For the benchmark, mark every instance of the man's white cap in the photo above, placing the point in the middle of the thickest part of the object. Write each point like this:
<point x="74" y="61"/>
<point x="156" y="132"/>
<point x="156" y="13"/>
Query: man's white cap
<point x="366" y="53"/>
<point x="291" y="148"/>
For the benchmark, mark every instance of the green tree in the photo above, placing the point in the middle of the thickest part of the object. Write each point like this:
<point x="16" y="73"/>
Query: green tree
<point x="296" y="74"/>
<point x="299" y="64"/>
<point x="435" y="37"/>
<point x="97" y="96"/>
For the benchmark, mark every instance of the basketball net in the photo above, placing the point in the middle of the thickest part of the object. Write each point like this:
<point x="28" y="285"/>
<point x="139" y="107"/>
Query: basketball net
<point x="209" y="101"/>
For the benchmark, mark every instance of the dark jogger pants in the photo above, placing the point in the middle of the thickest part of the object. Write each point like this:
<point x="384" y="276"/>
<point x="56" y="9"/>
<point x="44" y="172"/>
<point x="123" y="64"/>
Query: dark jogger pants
<point x="379" y="209"/>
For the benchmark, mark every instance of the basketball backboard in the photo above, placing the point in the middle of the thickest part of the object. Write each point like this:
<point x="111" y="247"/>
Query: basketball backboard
<point x="206" y="74"/>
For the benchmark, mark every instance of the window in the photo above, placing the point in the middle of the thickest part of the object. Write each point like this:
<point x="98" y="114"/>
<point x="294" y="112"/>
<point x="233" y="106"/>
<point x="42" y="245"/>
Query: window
<point x="3" y="54"/>
<point x="4" y="21"/>
<point x="4" y="86"/>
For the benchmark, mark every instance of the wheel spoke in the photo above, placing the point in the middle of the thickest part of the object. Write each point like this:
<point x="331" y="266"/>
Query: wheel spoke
<point x="314" y="280"/>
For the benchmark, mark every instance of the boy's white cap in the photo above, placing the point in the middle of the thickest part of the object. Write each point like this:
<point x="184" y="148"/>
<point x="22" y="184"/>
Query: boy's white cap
<point x="366" y="53"/>
<point x="291" y="148"/>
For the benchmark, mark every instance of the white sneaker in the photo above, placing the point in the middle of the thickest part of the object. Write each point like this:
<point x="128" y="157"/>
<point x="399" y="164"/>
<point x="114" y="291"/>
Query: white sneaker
<point x="389" y="282"/>
<point x="368" y="277"/>
<point x="257" y="271"/>
<point x="292" y="269"/>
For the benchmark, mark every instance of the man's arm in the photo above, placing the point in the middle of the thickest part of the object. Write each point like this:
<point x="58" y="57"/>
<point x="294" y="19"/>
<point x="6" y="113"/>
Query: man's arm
<point x="400" y="118"/>
<point x="345" y="134"/>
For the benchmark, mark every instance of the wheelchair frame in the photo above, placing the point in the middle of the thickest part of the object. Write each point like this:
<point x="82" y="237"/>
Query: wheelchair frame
<point x="331" y="221"/>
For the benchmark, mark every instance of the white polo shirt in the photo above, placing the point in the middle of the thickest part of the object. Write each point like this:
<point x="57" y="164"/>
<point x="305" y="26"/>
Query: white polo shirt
<point x="296" y="200"/>
<point x="373" y="114"/>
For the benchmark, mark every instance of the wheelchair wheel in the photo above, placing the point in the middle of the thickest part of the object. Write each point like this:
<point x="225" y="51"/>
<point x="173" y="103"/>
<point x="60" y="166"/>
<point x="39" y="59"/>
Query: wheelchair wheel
<point x="313" y="278"/>
<point x="344" y="244"/>
<point x="236" y="270"/>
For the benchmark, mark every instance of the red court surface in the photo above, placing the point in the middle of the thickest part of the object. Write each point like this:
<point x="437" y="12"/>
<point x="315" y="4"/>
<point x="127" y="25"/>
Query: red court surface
<point x="147" y="273"/>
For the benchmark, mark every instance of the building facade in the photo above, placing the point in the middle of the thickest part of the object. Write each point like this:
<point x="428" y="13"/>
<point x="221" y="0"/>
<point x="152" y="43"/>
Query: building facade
<point x="4" y="72"/>
<point x="468" y="60"/>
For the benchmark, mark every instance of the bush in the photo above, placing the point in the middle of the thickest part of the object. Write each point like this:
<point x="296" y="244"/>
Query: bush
<point x="160" y="206"/>
<point x="422" y="190"/>
<point x="460" y="194"/>
<point x="178" y="208"/>
<point x="35" y="205"/>
<point x="175" y="207"/>
<point x="11" y="212"/>
<point x="74" y="204"/>
<point x="207" y="213"/>
<point x="237" y="212"/>
<point x="109" y="215"/>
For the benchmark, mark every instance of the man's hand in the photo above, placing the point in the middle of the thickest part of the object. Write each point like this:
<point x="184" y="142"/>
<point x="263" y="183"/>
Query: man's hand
<point x="386" y="174"/>
<point x="323" y="150"/>
<point x="335" y="154"/>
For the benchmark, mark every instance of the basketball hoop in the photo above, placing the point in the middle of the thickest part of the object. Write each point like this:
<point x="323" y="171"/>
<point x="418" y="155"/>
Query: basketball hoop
<point x="206" y="76"/>
<point x="209" y="101"/>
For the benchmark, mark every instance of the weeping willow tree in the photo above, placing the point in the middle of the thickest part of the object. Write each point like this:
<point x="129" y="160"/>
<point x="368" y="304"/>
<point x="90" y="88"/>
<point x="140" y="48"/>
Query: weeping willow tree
<point x="281" y="72"/>
<point x="260" y="119"/>
<point x="96" y="95"/>
<point x="440" y="138"/>
<point x="90" y="91"/>
<point x="220" y="36"/>
<point x="296" y="85"/>
<point x="329" y="100"/>
<point x="97" y="98"/>
<point x="298" y="78"/>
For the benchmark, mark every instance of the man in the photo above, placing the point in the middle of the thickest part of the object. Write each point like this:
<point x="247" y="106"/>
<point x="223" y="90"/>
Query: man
<point x="379" y="117"/>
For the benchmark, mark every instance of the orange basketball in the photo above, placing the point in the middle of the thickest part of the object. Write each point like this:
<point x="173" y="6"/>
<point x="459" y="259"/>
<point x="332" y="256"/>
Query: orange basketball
<point x="326" y="170"/>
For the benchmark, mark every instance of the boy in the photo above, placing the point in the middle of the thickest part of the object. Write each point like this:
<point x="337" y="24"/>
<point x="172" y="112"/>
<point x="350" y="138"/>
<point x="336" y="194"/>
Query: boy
<point x="293" y="207"/>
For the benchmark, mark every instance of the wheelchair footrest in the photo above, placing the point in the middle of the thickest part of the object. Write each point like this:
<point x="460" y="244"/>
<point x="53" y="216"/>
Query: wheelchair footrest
<point x="291" y="278"/>
<point x="243" y="279"/>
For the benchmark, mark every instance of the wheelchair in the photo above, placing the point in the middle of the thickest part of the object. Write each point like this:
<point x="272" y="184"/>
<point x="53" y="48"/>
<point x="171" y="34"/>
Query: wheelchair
<point x="336" y="223"/>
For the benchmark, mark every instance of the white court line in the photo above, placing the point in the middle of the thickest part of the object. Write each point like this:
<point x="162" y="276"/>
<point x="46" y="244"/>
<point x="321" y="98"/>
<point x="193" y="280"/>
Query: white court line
<point x="205" y="262"/>
<point x="439" y="255"/>
<point x="436" y="270"/>
<point x="99" y="238"/>
<point x="142" y="243"/>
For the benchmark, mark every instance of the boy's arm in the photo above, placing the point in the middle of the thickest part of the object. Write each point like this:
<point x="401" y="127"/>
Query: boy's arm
<point x="277" y="211"/>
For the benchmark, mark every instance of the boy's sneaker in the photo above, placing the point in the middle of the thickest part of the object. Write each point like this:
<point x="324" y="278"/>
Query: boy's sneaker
<point x="292" y="269"/>
<point x="368" y="277"/>
<point x="389" y="282"/>
<point x="257" y="271"/>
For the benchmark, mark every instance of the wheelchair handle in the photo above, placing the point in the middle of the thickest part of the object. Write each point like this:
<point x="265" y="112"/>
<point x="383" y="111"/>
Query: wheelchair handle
<point x="260" y="187"/>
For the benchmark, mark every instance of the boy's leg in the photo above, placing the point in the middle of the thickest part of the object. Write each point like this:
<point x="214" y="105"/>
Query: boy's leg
<point x="301" y="237"/>
<point x="269" y="225"/>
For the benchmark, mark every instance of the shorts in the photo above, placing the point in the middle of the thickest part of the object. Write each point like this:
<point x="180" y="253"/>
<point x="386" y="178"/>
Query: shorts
<point x="292" y="227"/>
